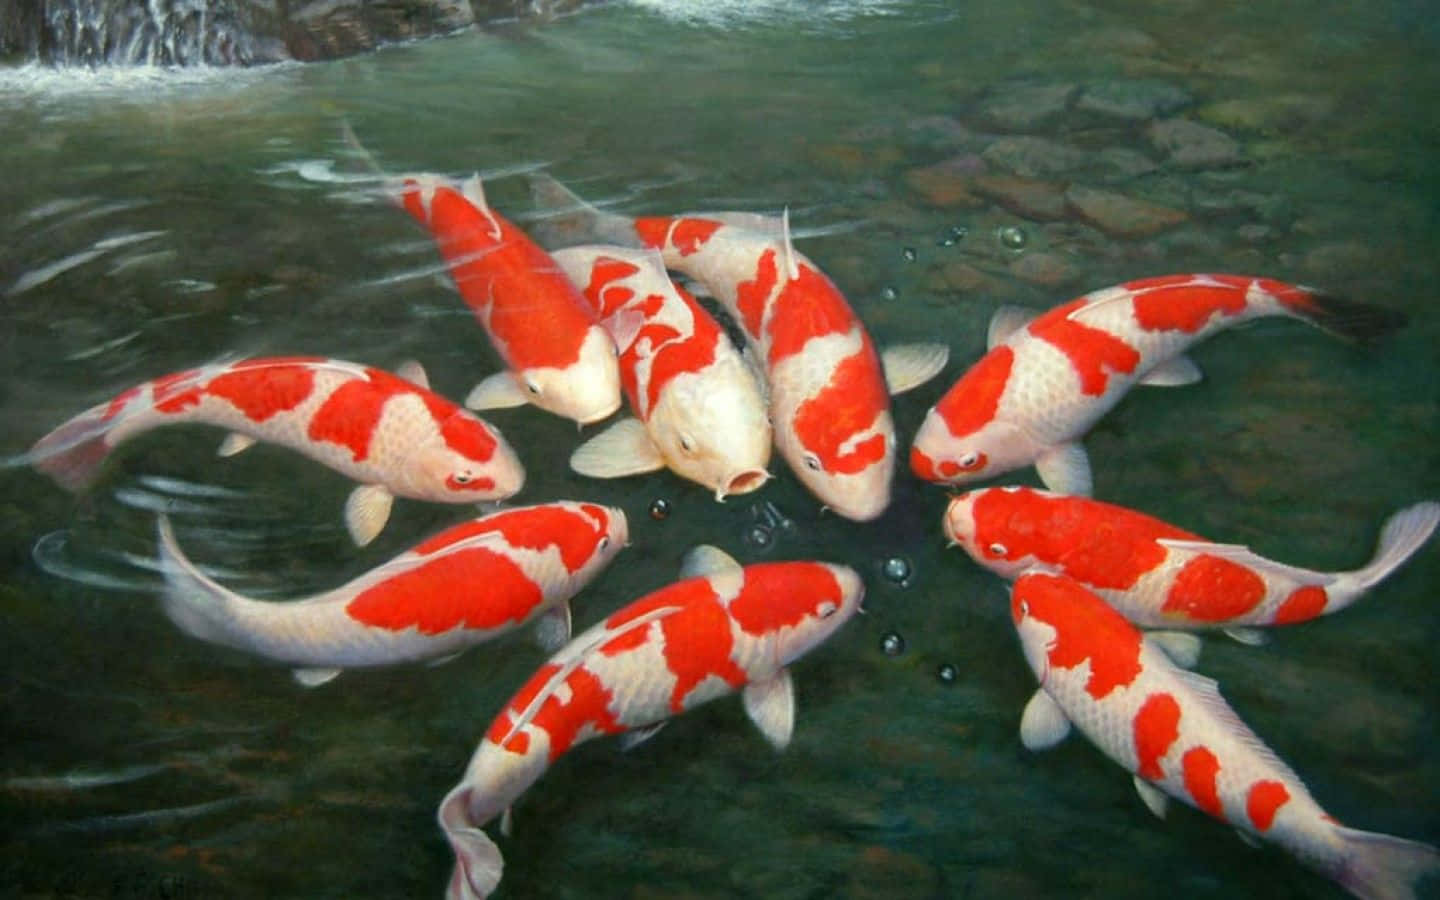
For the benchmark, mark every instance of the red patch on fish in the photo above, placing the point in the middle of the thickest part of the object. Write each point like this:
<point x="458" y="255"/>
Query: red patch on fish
<point x="697" y="646"/>
<point x="924" y="467"/>
<point x="1093" y="352"/>
<point x="690" y="234"/>
<point x="1098" y="544"/>
<point x="261" y="392"/>
<point x="1162" y="304"/>
<point x="574" y="534"/>
<point x="468" y="436"/>
<point x="653" y="230"/>
<point x="680" y="356"/>
<point x="679" y="594"/>
<point x="808" y="306"/>
<point x="848" y="405"/>
<point x="588" y="704"/>
<point x="971" y="404"/>
<point x="605" y="297"/>
<point x="350" y="414"/>
<point x="425" y="598"/>
<point x="751" y="296"/>
<point x="1302" y="605"/>
<point x="1156" y="727"/>
<point x="1264" y="801"/>
<point x="1086" y="628"/>
<point x="1200" y="768"/>
<point x="1211" y="589"/>
<point x="501" y="726"/>
<point x="177" y="392"/>
<point x="782" y="595"/>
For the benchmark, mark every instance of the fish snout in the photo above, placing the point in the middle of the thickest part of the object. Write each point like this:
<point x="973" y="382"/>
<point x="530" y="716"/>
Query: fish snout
<point x="742" y="482"/>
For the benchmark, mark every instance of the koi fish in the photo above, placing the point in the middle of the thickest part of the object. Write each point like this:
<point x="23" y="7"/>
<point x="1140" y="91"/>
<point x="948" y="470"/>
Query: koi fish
<point x="390" y="433"/>
<point x="698" y="408"/>
<point x="467" y="585"/>
<point x="556" y="354"/>
<point x="829" y="393"/>
<point x="1157" y="575"/>
<point x="721" y="630"/>
<point x="1043" y="383"/>
<point x="1179" y="738"/>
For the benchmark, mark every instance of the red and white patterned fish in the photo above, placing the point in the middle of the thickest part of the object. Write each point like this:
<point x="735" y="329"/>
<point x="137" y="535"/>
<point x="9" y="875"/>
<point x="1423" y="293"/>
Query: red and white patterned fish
<point x="390" y="433"/>
<point x="1175" y="733"/>
<point x="556" y="354"/>
<point x="466" y="585"/>
<point x="829" y="395"/>
<point x="1043" y="383"/>
<point x="1157" y="575"/>
<point x="698" y="407"/>
<point x="729" y="629"/>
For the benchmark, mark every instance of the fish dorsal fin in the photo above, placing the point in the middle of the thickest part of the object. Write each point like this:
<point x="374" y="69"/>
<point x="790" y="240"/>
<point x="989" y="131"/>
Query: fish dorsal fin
<point x="1154" y="799"/>
<point x="622" y="449"/>
<point x="1206" y="692"/>
<point x="234" y="443"/>
<point x="412" y="371"/>
<point x="707" y="559"/>
<point x="473" y="189"/>
<point x="1065" y="469"/>
<point x="572" y="656"/>
<point x="1100" y="301"/>
<point x="366" y="512"/>
<point x="1043" y="724"/>
<point x="748" y="221"/>
<point x="1182" y="647"/>
<point x="1244" y="556"/>
<point x="770" y="704"/>
<point x="908" y="366"/>
<point x="1177" y="371"/>
<point x="498" y="391"/>
<point x="792" y="268"/>
<point x="1006" y="321"/>
<point x="314" y="677"/>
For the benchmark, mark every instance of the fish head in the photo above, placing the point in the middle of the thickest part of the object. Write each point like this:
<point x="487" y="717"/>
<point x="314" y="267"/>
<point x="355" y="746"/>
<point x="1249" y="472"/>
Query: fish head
<point x="824" y="597"/>
<point x="585" y="391"/>
<point x="984" y="525"/>
<point x="711" y="428"/>
<point x="468" y="461"/>
<point x="1031" y="606"/>
<point x="612" y="534"/>
<point x="992" y="449"/>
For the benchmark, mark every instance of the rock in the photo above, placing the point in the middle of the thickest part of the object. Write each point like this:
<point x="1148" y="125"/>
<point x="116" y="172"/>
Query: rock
<point x="852" y="161"/>
<point x="1026" y="106"/>
<point x="1256" y="233"/>
<point x="959" y="276"/>
<point x="941" y="130"/>
<point x="1045" y="269"/>
<point x="1114" y="41"/>
<point x="1035" y="157"/>
<point x="1338" y="259"/>
<point x="1275" y="114"/>
<point x="947" y="184"/>
<point x="1131" y="100"/>
<point x="881" y="872"/>
<point x="1126" y="163"/>
<point x="1191" y="145"/>
<point x="1039" y="201"/>
<point x="1119" y="215"/>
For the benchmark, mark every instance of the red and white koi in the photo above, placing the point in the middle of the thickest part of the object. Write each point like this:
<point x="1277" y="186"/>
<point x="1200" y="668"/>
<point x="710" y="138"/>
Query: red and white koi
<point x="1174" y="732"/>
<point x="698" y="407"/>
<point x="726" y="629"/>
<point x="466" y="585"/>
<point x="1157" y="575"/>
<point x="828" y="391"/>
<point x="1046" y="380"/>
<point x="555" y="352"/>
<point x="390" y="433"/>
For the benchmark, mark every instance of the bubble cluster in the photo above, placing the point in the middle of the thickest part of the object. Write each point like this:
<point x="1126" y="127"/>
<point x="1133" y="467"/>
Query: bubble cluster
<point x="909" y="254"/>
<point x="758" y="537"/>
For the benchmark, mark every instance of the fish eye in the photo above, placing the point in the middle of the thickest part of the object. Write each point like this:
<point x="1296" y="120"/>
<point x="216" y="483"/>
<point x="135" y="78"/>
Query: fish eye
<point x="998" y="550"/>
<point x="462" y="477"/>
<point x="828" y="609"/>
<point x="812" y="462"/>
<point x="686" y="444"/>
<point x="1024" y="609"/>
<point x="969" y="460"/>
<point x="605" y="542"/>
<point x="532" y="387"/>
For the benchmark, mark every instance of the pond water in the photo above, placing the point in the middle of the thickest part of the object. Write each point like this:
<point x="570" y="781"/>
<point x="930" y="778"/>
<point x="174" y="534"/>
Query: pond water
<point x="154" y="221"/>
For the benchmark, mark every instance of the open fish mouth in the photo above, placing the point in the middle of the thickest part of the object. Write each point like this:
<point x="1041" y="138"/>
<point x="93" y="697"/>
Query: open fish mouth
<point x="742" y="483"/>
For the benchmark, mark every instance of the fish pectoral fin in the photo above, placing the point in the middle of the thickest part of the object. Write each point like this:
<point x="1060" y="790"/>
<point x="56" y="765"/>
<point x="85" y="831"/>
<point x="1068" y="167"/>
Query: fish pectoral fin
<point x="1182" y="647"/>
<point x="499" y="391"/>
<point x="771" y="706"/>
<point x="1176" y="372"/>
<point x="1006" y="321"/>
<point x="1043" y="724"/>
<point x="1250" y="637"/>
<point x="442" y="660"/>
<point x="413" y="372"/>
<point x="1065" y="469"/>
<point x="234" y="443"/>
<point x="707" y="559"/>
<point x="624" y="327"/>
<point x="632" y="739"/>
<point x="622" y="449"/>
<point x="1153" y="798"/>
<point x="908" y="366"/>
<point x="507" y="822"/>
<point x="314" y="677"/>
<point x="552" y="629"/>
<point x="1248" y="839"/>
<point x="366" y="512"/>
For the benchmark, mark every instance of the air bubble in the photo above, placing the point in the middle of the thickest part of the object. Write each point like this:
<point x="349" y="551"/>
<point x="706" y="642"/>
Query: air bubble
<point x="1012" y="237"/>
<point x="897" y="570"/>
<point x="659" y="509"/>
<point x="759" y="537"/>
<point x="889" y="293"/>
<point x="947" y="673"/>
<point x="892" y="644"/>
<point x="909" y="254"/>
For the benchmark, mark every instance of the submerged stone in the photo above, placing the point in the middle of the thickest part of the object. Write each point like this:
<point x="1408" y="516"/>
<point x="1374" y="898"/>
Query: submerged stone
<point x="1191" y="145"/>
<point x="1132" y="99"/>
<point x="1035" y="199"/>
<point x="1119" y="215"/>
<point x="1026" y="106"/>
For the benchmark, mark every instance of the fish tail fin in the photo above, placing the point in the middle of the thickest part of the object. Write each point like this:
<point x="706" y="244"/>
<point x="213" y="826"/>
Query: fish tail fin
<point x="1403" y="534"/>
<point x="197" y="604"/>
<point x="1381" y="867"/>
<point x="1353" y="320"/>
<point x="568" y="219"/>
<point x="75" y="451"/>
<point x="478" y="863"/>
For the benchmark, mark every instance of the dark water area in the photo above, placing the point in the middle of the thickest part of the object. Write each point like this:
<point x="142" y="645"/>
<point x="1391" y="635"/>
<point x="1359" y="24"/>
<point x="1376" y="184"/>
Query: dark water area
<point x="938" y="162"/>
